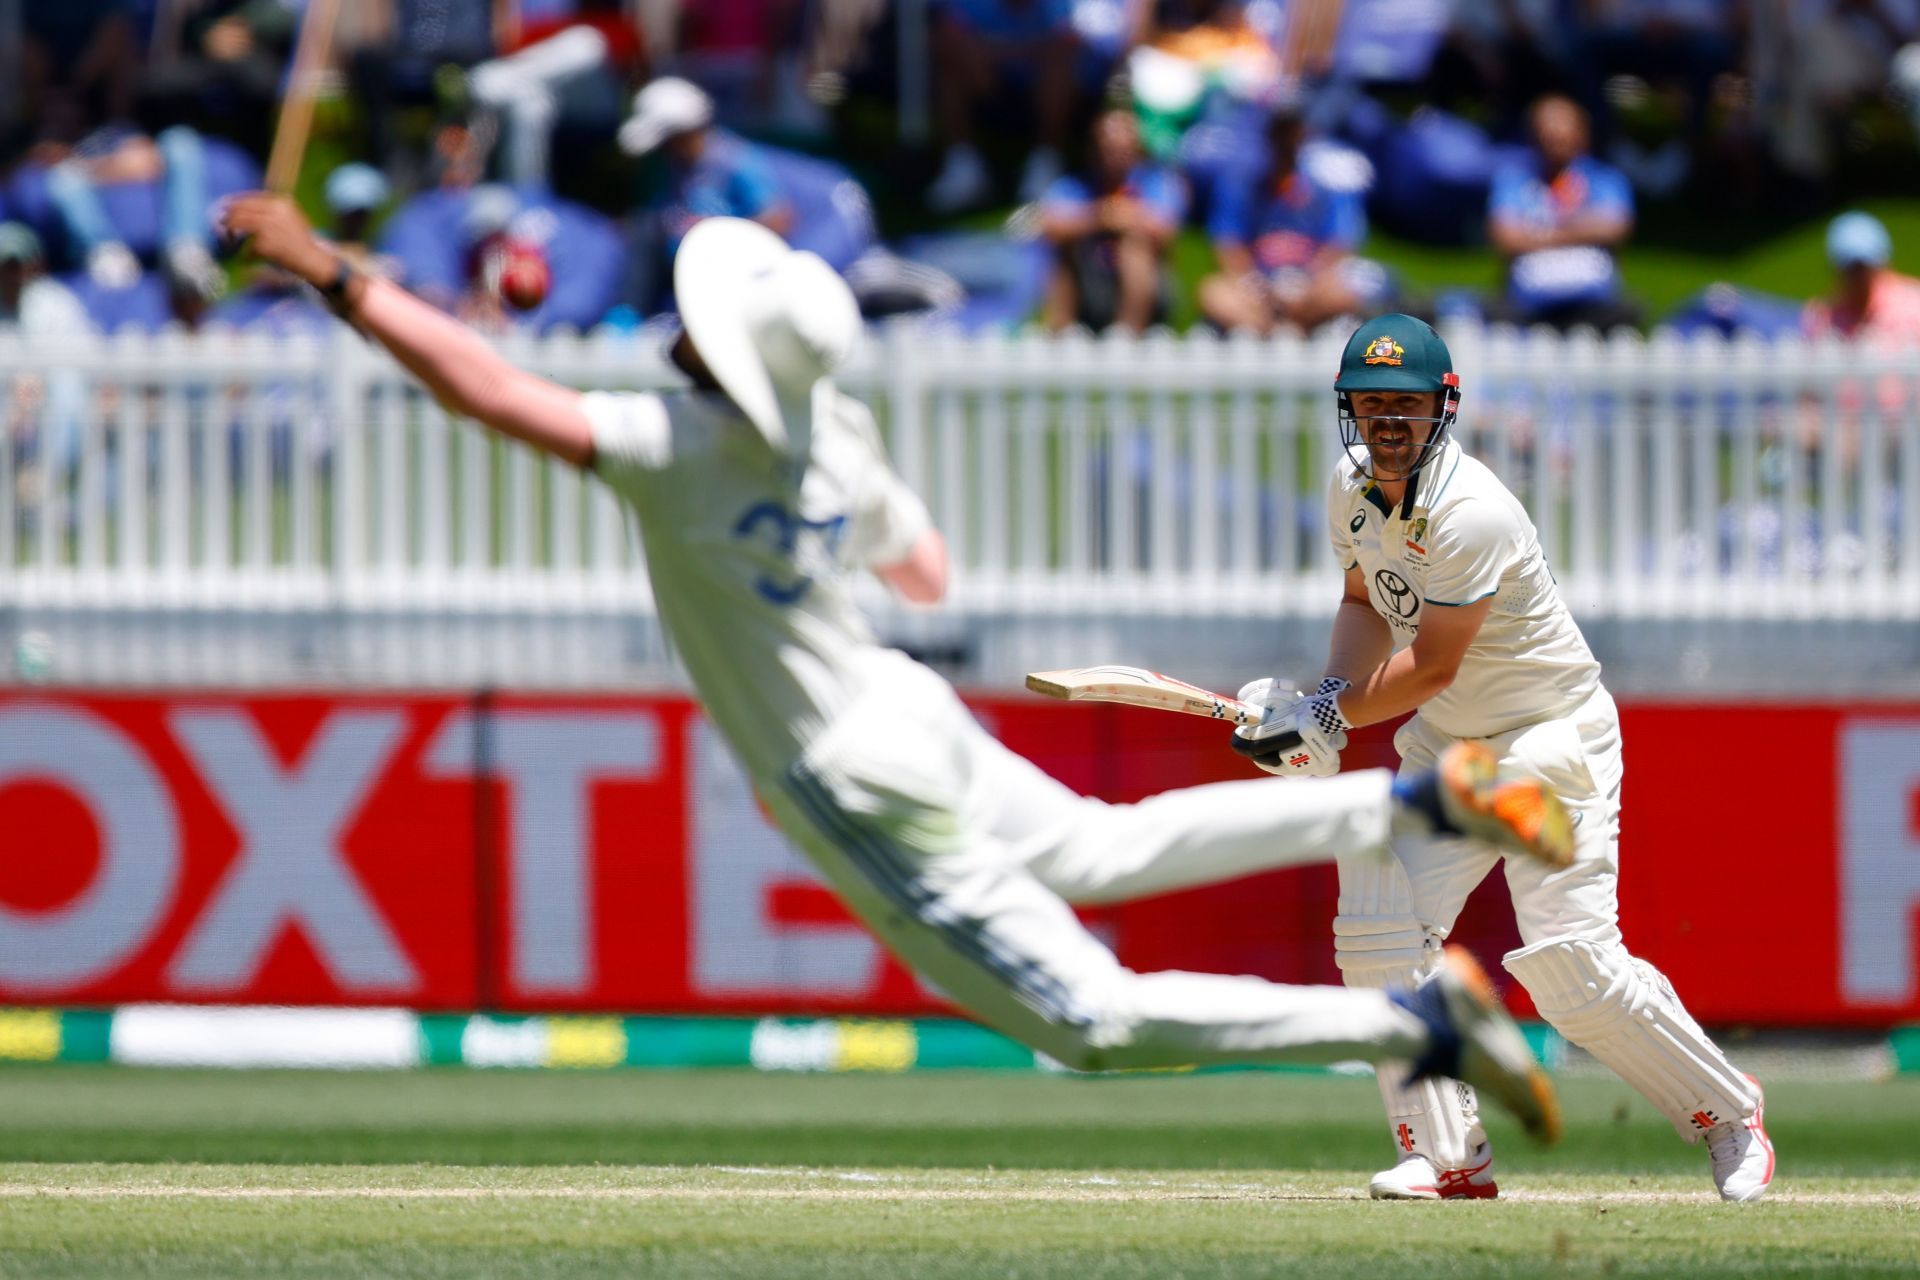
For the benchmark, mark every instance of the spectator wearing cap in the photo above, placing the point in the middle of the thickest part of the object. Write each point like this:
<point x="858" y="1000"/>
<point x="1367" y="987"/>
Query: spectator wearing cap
<point x="987" y="51"/>
<point x="1872" y="304"/>
<point x="1109" y="231"/>
<point x="354" y="194"/>
<point x="1870" y="301"/>
<point x="711" y="171"/>
<point x="1558" y="217"/>
<point x="1285" y="244"/>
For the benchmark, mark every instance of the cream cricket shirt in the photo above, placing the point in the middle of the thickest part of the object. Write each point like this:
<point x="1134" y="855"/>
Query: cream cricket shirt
<point x="1463" y="538"/>
<point x="749" y="555"/>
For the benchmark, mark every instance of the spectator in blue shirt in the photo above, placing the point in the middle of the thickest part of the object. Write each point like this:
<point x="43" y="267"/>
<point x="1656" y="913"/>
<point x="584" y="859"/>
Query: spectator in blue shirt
<point x="1558" y="219"/>
<point x="1109" y="232"/>
<point x="712" y="172"/>
<point x="1286" y="245"/>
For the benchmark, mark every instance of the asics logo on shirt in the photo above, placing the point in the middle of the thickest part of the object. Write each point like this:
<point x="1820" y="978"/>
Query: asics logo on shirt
<point x="1359" y="518"/>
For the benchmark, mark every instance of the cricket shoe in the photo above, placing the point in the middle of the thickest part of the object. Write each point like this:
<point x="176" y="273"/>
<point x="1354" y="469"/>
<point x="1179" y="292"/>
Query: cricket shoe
<point x="1416" y="1177"/>
<point x="1742" y="1154"/>
<point x="1475" y="1042"/>
<point x="1507" y="810"/>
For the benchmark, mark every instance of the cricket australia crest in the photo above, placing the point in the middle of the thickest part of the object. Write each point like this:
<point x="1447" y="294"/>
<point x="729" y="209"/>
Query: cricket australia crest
<point x="1384" y="350"/>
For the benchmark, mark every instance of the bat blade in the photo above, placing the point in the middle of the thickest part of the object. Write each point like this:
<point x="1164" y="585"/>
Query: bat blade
<point x="303" y="86"/>
<point x="1138" y="687"/>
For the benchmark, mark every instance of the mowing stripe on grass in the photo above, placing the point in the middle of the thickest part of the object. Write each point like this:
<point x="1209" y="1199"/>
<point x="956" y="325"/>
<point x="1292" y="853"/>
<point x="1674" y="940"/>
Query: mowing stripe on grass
<point x="913" y="1194"/>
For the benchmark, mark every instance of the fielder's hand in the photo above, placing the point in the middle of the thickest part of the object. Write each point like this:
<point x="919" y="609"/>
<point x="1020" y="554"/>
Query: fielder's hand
<point x="1301" y="736"/>
<point x="276" y="230"/>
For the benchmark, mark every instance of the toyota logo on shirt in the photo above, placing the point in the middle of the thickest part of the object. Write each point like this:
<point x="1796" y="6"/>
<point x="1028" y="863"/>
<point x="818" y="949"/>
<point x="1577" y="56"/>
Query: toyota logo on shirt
<point x="1396" y="593"/>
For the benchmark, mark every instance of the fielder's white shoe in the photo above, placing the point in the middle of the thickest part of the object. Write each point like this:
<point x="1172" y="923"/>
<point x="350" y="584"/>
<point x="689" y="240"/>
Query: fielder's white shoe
<point x="1742" y="1155"/>
<point x="1417" y="1178"/>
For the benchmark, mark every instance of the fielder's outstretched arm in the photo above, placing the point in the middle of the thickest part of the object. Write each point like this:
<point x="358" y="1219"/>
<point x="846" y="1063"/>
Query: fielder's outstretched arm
<point x="921" y="578"/>
<point x="455" y="363"/>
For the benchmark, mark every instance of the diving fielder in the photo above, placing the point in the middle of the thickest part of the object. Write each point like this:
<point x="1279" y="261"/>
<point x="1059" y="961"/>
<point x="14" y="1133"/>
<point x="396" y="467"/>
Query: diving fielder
<point x="1450" y="609"/>
<point x="756" y="493"/>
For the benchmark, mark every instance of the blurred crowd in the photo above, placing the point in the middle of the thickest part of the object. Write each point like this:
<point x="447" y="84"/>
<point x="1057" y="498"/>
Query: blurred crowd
<point x="535" y="163"/>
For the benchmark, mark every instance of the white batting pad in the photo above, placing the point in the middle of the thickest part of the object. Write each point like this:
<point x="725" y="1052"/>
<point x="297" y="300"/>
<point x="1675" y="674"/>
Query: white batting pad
<point x="1624" y="1012"/>
<point x="1378" y="942"/>
<point x="1396" y="944"/>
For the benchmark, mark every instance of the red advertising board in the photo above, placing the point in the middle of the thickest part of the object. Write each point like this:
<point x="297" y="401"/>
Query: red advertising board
<point x="603" y="853"/>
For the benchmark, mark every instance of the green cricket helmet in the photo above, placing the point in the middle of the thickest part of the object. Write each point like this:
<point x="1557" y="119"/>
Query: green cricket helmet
<point x="1396" y="352"/>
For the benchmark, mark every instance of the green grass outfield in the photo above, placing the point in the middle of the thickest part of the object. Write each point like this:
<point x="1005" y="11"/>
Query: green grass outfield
<point x="117" y="1172"/>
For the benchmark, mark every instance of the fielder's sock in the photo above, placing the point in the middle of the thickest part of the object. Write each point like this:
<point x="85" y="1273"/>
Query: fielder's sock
<point x="1421" y="793"/>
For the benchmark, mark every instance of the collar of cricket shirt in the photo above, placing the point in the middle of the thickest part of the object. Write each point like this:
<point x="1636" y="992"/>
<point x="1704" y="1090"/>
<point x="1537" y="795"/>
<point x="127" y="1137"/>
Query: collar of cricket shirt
<point x="1378" y="498"/>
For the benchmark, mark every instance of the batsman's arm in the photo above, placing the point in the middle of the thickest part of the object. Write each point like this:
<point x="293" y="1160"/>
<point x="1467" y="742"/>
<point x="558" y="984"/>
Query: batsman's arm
<point x="451" y="360"/>
<point x="1416" y="673"/>
<point x="1361" y="638"/>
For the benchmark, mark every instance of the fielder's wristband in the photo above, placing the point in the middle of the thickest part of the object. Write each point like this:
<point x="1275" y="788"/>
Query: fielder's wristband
<point x="334" y="292"/>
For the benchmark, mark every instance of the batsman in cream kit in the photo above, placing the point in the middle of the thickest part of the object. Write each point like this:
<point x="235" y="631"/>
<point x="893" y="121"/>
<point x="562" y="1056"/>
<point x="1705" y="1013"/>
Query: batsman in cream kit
<point x="1450" y="611"/>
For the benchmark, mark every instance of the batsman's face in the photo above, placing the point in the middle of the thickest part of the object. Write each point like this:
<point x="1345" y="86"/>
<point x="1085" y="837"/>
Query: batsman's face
<point x="1393" y="441"/>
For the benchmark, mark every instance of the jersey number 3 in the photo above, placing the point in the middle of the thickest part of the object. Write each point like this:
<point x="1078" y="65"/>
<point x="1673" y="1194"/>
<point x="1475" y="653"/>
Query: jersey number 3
<point x="808" y="547"/>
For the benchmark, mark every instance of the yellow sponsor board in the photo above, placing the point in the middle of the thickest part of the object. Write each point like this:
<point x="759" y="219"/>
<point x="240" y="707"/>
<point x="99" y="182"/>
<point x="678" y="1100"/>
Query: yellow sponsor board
<point x="876" y="1046"/>
<point x="586" y="1042"/>
<point x="29" y="1035"/>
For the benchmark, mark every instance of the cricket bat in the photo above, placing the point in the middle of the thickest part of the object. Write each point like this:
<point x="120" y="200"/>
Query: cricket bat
<point x="303" y="86"/>
<point x="1138" y="687"/>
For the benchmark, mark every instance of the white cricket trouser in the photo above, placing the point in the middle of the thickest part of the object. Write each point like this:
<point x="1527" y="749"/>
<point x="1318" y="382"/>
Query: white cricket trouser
<point x="1579" y="757"/>
<point x="1573" y="962"/>
<point x="963" y="858"/>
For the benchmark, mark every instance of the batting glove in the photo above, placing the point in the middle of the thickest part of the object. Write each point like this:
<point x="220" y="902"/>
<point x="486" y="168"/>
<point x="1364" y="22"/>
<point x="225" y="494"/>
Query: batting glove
<point x="1301" y="735"/>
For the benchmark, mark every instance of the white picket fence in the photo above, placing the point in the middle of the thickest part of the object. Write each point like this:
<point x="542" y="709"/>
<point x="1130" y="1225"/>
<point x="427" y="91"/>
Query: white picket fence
<point x="1168" y="476"/>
